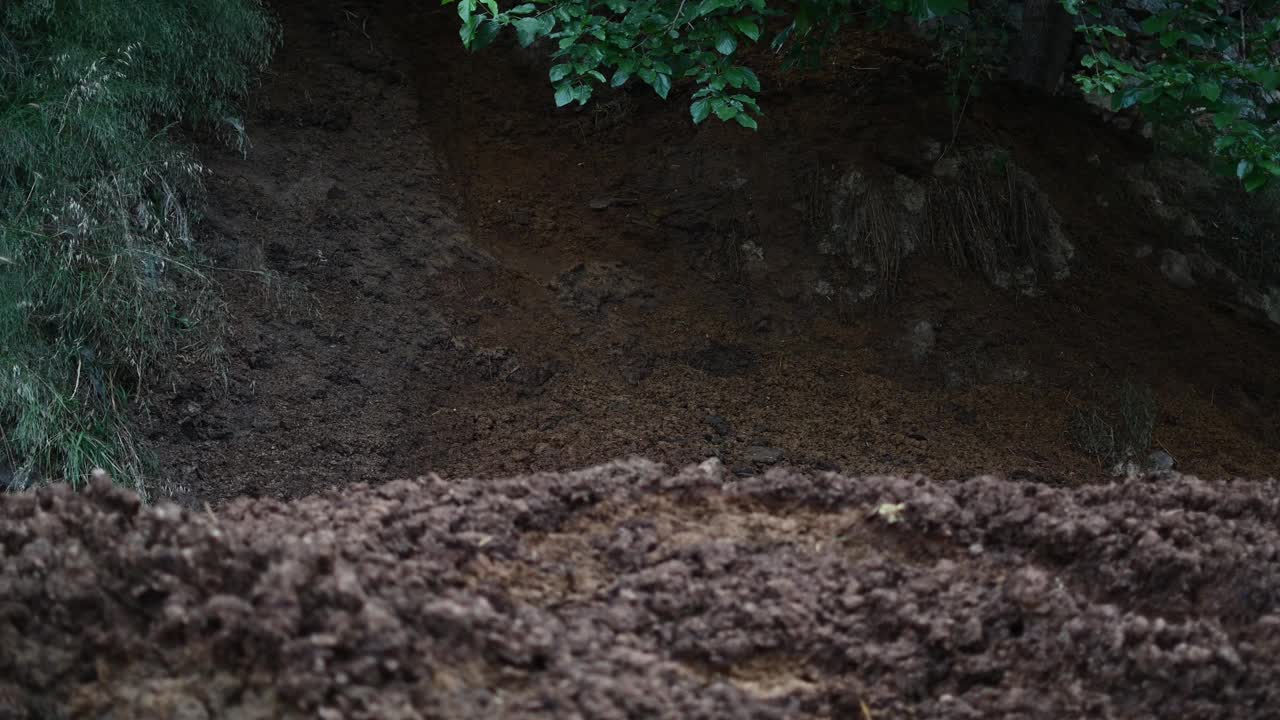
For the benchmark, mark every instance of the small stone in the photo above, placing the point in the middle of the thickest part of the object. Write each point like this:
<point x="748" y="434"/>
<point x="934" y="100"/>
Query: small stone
<point x="1189" y="227"/>
<point x="762" y="455"/>
<point x="1143" y="251"/>
<point x="1177" y="269"/>
<point x="1160" y="461"/>
<point x="922" y="339"/>
<point x="719" y="425"/>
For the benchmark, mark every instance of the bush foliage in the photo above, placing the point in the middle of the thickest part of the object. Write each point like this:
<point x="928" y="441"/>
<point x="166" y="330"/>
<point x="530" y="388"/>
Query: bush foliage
<point x="1207" y="64"/>
<point x="98" y="268"/>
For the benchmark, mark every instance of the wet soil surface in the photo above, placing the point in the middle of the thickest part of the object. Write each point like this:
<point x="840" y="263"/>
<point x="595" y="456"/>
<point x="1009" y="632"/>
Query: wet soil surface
<point x="627" y="591"/>
<point x="470" y="282"/>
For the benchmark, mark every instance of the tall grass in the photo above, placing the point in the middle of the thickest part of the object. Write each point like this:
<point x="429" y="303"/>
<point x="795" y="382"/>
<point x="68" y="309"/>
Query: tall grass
<point x="98" y="195"/>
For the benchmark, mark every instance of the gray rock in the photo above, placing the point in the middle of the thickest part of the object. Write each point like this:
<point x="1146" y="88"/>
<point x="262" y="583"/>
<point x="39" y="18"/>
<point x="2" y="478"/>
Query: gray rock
<point x="1126" y="469"/>
<point x="762" y="455"/>
<point x="1143" y="251"/>
<point x="1188" y="226"/>
<point x="720" y="425"/>
<point x="1177" y="269"/>
<point x="921" y="339"/>
<point x="1160" y="461"/>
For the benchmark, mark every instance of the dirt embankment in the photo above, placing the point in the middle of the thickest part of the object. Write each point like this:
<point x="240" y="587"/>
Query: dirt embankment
<point x="630" y="591"/>
<point x="573" y="287"/>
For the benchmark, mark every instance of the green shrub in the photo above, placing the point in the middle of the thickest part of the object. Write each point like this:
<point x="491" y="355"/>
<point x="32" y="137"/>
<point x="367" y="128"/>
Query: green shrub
<point x="99" y="271"/>
<point x="1204" y="65"/>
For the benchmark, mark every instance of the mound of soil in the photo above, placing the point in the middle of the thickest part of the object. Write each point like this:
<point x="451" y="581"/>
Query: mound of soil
<point x="627" y="591"/>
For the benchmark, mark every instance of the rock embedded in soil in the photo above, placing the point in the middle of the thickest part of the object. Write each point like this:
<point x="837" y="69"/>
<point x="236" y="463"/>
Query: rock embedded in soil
<point x="764" y="455"/>
<point x="720" y="425"/>
<point x="1160" y="461"/>
<point x="1177" y="269"/>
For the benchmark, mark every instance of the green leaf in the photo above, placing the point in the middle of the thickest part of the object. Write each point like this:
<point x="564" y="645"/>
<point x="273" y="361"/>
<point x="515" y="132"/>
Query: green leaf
<point x="1225" y="142"/>
<point x="524" y="9"/>
<point x="781" y="38"/>
<point x="1243" y="168"/>
<point x="485" y="34"/>
<point x="746" y="121"/>
<point x="943" y="8"/>
<point x="564" y="94"/>
<point x="748" y="28"/>
<point x="1256" y="181"/>
<point x="620" y="78"/>
<point x="1269" y="79"/>
<point x="1210" y="90"/>
<point x="700" y="110"/>
<point x="1126" y="99"/>
<point x="528" y="30"/>
<point x="468" y="30"/>
<point x="726" y="43"/>
<point x="1157" y="23"/>
<point x="662" y="85"/>
<point x="560" y="72"/>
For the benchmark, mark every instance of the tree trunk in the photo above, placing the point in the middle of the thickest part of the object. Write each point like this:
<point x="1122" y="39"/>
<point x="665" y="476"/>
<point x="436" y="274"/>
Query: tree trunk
<point x="1043" y="47"/>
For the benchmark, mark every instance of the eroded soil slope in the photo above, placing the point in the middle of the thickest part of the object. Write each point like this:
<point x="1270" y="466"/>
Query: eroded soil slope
<point x="627" y="591"/>
<point x="470" y="282"/>
<point x="329" y="242"/>
<point x="664" y="284"/>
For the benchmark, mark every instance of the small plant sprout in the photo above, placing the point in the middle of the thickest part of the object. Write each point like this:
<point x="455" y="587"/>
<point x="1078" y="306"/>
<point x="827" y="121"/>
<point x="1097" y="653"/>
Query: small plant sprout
<point x="890" y="512"/>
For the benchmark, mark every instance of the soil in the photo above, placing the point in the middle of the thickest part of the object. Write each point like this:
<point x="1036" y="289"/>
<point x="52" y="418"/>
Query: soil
<point x="428" y="268"/>
<point x="471" y="282"/>
<point x="627" y="591"/>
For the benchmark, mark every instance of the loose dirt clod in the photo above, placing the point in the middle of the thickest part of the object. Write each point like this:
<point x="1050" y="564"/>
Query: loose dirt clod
<point x="627" y="590"/>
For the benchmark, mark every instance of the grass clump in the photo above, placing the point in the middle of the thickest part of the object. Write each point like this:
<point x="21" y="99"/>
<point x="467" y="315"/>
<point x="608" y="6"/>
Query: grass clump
<point x="1118" y="430"/>
<point x="99" y="273"/>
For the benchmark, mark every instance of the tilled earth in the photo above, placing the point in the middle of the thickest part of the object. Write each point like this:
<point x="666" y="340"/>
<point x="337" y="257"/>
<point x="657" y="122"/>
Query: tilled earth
<point x="632" y="591"/>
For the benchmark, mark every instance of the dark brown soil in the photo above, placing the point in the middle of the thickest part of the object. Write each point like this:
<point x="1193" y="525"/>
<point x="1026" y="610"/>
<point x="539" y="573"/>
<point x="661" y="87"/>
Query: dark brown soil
<point x="428" y="269"/>
<point x="628" y="592"/>
<point x="569" y="287"/>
